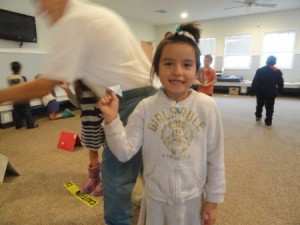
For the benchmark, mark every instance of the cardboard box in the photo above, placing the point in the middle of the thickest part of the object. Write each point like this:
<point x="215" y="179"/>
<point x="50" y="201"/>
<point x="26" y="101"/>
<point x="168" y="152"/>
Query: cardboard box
<point x="244" y="90"/>
<point x="6" y="119"/>
<point x="234" y="91"/>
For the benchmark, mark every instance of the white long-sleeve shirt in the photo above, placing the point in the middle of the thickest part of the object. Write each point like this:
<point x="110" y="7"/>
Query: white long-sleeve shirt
<point x="94" y="44"/>
<point x="182" y="144"/>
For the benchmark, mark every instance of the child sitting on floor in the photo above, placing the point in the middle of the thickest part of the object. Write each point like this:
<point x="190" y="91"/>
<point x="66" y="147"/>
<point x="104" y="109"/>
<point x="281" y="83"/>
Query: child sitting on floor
<point x="52" y="105"/>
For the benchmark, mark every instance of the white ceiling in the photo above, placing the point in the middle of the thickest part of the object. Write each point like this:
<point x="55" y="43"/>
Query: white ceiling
<point x="144" y="10"/>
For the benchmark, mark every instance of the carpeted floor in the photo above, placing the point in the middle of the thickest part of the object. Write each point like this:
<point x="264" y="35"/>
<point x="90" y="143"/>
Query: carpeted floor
<point x="262" y="170"/>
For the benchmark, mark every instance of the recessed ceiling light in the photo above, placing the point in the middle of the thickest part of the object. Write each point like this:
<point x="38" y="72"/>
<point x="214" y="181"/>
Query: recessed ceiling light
<point x="184" y="15"/>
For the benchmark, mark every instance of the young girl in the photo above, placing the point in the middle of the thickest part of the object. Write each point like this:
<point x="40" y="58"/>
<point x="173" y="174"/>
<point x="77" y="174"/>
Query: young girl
<point x="92" y="133"/>
<point x="180" y="132"/>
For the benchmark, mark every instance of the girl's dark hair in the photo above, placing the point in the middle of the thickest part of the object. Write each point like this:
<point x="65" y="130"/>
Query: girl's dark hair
<point x="185" y="33"/>
<point x="79" y="87"/>
<point x="16" y="67"/>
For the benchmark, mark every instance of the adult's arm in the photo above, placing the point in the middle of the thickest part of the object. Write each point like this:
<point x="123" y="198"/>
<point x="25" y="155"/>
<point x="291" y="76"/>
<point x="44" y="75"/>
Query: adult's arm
<point x="29" y="90"/>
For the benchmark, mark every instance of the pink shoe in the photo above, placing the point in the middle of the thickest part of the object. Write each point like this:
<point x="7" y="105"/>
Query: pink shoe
<point x="98" y="190"/>
<point x="94" y="179"/>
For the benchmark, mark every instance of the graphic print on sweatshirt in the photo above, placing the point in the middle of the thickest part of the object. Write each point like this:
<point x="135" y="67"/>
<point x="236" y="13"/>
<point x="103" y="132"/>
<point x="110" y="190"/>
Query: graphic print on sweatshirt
<point x="178" y="127"/>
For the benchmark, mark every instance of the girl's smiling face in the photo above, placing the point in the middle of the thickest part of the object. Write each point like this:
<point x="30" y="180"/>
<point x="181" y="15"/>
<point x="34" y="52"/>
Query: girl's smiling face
<point x="177" y="70"/>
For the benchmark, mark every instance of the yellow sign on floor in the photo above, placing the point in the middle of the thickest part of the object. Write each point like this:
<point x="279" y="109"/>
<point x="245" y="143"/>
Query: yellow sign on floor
<point x="85" y="198"/>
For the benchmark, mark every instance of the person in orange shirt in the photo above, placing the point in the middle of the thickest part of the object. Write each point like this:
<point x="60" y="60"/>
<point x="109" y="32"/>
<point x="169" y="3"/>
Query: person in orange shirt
<point x="207" y="77"/>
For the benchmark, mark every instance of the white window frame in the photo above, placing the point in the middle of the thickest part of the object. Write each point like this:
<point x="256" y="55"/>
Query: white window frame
<point x="282" y="48"/>
<point x="237" y="57"/>
<point x="207" y="48"/>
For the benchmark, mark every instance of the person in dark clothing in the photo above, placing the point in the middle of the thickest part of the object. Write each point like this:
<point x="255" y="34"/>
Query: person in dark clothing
<point x="266" y="85"/>
<point x="21" y="110"/>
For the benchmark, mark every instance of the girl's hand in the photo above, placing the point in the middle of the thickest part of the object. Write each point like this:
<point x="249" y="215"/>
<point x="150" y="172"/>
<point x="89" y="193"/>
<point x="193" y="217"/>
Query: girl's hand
<point x="209" y="213"/>
<point x="109" y="105"/>
<point x="205" y="84"/>
<point x="64" y="85"/>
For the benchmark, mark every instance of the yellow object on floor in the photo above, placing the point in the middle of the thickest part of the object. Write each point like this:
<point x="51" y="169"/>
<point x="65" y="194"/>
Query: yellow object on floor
<point x="85" y="198"/>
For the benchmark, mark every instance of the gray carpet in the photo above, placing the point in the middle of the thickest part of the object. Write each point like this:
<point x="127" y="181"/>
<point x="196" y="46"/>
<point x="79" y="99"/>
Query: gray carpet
<point x="262" y="170"/>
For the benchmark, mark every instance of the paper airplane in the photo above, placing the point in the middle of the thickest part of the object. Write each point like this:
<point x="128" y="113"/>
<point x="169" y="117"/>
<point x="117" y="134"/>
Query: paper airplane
<point x="116" y="89"/>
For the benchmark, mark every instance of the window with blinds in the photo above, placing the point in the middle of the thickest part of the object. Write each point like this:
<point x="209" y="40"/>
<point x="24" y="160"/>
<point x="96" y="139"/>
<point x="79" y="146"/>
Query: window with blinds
<point x="207" y="46"/>
<point x="237" y="52"/>
<point x="281" y="45"/>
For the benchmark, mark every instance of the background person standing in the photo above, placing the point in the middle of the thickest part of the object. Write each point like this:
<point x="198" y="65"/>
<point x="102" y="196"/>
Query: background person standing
<point x="207" y="76"/>
<point x="21" y="110"/>
<point x="266" y="85"/>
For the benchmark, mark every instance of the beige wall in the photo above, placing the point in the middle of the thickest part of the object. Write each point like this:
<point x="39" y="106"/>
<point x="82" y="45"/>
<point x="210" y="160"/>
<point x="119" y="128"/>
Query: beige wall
<point x="31" y="55"/>
<point x="255" y="25"/>
<point x="251" y="24"/>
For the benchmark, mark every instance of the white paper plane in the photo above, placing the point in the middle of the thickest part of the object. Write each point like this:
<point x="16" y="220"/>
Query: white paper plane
<point x="116" y="89"/>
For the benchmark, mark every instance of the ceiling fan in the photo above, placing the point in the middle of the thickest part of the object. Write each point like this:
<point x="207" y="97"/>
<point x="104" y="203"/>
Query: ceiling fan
<point x="252" y="3"/>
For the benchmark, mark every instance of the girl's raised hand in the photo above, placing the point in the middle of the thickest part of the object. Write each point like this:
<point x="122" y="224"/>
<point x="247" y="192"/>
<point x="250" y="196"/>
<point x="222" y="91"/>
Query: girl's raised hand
<point x="64" y="85"/>
<point x="109" y="105"/>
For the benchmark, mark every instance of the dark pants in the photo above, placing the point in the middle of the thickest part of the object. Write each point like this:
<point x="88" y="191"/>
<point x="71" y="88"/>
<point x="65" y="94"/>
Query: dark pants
<point x="22" y="111"/>
<point x="269" y="105"/>
<point x="118" y="179"/>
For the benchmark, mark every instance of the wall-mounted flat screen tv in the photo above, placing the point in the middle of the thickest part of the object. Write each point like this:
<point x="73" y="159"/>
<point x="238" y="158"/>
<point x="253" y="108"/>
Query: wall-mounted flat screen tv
<point x="17" y="27"/>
